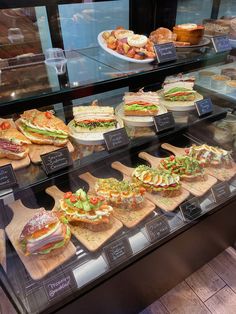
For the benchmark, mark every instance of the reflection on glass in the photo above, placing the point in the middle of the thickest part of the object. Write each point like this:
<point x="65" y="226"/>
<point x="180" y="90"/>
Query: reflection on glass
<point x="55" y="58"/>
<point x="15" y="35"/>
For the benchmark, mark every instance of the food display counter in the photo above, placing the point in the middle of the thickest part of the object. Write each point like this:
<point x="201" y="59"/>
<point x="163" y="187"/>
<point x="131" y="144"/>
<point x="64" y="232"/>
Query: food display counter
<point x="117" y="171"/>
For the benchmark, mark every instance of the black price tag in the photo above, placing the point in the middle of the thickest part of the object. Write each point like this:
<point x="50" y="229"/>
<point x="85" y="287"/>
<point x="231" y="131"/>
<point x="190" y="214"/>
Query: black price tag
<point x="165" y="52"/>
<point x="60" y="285"/>
<point x="204" y="106"/>
<point x="157" y="228"/>
<point x="164" y="122"/>
<point x="221" y="43"/>
<point x="116" y="139"/>
<point x="220" y="192"/>
<point x="118" y="251"/>
<point x="56" y="160"/>
<point x="191" y="209"/>
<point x="7" y="177"/>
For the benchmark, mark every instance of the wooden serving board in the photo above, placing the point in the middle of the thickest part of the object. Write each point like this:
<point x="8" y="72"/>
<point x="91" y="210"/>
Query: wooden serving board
<point x="3" y="249"/>
<point x="90" y="239"/>
<point x="221" y="173"/>
<point x="197" y="187"/>
<point x="130" y="218"/>
<point x="36" y="151"/>
<point x="165" y="203"/>
<point x="38" y="266"/>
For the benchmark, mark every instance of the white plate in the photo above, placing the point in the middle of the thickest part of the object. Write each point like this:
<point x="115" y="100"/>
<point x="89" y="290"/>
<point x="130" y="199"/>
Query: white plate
<point x="103" y="45"/>
<point x="89" y="138"/>
<point x="180" y="105"/>
<point x="204" y="41"/>
<point x="232" y="42"/>
<point x="137" y="121"/>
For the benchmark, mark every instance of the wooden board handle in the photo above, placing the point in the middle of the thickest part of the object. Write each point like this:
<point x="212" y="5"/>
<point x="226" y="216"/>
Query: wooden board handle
<point x="127" y="171"/>
<point x="178" y="151"/>
<point x="90" y="179"/>
<point x="19" y="208"/>
<point x="154" y="161"/>
<point x="55" y="193"/>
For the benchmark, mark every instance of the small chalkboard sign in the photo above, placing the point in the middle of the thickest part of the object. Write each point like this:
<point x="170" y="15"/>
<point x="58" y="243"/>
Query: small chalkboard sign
<point x="60" y="285"/>
<point x="164" y="122"/>
<point x="204" y="106"/>
<point x="7" y="177"/>
<point x="116" y="139"/>
<point x="56" y="160"/>
<point x="118" y="251"/>
<point x="221" y="192"/>
<point x="191" y="209"/>
<point x="221" y="43"/>
<point x="157" y="228"/>
<point x="165" y="52"/>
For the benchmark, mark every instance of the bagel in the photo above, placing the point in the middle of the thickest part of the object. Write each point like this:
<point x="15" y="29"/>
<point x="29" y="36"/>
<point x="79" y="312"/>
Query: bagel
<point x="122" y="33"/>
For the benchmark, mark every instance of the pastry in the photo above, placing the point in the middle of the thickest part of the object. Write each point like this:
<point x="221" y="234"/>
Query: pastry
<point x="90" y="212"/>
<point x="191" y="33"/>
<point x="43" y="128"/>
<point x="121" y="194"/>
<point x="231" y="72"/>
<point x="218" y="82"/>
<point x="44" y="233"/>
<point x="231" y="86"/>
<point x="157" y="181"/>
<point x="162" y="35"/>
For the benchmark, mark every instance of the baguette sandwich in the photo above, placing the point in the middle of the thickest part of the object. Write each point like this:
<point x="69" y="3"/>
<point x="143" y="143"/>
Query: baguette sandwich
<point x="141" y="103"/>
<point x="94" y="119"/>
<point x="43" y="128"/>
<point x="90" y="212"/>
<point x="44" y="233"/>
<point x="13" y="144"/>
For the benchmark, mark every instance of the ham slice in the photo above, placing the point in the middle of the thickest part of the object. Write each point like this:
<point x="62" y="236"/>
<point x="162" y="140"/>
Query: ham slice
<point x="6" y="145"/>
<point x="150" y="98"/>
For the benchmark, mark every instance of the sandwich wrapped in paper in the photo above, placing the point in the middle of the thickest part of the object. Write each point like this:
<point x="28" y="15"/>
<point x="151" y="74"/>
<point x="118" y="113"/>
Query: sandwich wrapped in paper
<point x="94" y="119"/>
<point x="141" y="103"/>
<point x="13" y="144"/>
<point x="43" y="233"/>
<point x="179" y="88"/>
<point x="43" y="128"/>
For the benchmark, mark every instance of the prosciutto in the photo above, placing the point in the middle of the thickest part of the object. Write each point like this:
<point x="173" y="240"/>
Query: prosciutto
<point x="6" y="145"/>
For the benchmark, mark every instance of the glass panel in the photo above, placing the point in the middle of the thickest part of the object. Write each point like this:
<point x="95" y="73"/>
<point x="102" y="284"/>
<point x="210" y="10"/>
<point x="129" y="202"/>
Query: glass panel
<point x="193" y="11"/>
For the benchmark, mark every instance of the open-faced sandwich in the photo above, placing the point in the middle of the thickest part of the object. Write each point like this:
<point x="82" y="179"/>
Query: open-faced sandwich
<point x="91" y="212"/>
<point x="121" y="194"/>
<point x="43" y="233"/>
<point x="157" y="181"/>
<point x="210" y="155"/>
<point x="13" y="144"/>
<point x="141" y="103"/>
<point x="94" y="119"/>
<point x="179" y="88"/>
<point x="188" y="168"/>
<point x="43" y="128"/>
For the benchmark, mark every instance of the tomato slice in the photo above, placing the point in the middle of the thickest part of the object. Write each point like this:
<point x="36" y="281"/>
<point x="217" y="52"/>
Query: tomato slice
<point x="67" y="194"/>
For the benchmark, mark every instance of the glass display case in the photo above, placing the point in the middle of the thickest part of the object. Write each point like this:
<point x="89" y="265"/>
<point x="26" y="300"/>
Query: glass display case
<point x="76" y="113"/>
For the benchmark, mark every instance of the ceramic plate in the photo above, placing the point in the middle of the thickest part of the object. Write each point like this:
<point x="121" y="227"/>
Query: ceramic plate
<point x="180" y="105"/>
<point x="205" y="41"/>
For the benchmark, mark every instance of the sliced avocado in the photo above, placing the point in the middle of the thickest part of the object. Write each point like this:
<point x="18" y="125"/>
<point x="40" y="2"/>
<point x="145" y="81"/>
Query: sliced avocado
<point x="86" y="206"/>
<point x="45" y="132"/>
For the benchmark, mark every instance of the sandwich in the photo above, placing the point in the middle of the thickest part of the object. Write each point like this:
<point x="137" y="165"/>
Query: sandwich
<point x="210" y="155"/>
<point x="90" y="212"/>
<point x="94" y="119"/>
<point x="179" y="88"/>
<point x="44" y="233"/>
<point x="188" y="168"/>
<point x="13" y="144"/>
<point x="43" y="128"/>
<point x="141" y="103"/>
<point x="157" y="181"/>
<point x="121" y="194"/>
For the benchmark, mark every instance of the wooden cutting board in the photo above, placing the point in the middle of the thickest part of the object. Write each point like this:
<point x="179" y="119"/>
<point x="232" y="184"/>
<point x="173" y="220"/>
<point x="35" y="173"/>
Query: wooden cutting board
<point x="130" y="218"/>
<point x="222" y="173"/>
<point x="36" y="151"/>
<point x="3" y="249"/>
<point x="197" y="188"/>
<point x="38" y="266"/>
<point x="90" y="239"/>
<point x="165" y="203"/>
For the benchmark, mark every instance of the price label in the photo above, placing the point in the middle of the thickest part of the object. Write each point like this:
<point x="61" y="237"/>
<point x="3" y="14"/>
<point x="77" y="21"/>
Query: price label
<point x="204" y="106"/>
<point x="191" y="209"/>
<point x="116" y="139"/>
<point x="157" y="228"/>
<point x="7" y="177"/>
<point x="164" y="122"/>
<point x="221" y="43"/>
<point x="118" y="251"/>
<point x="165" y="52"/>
<point x="60" y="285"/>
<point x="56" y="160"/>
<point x="220" y="191"/>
